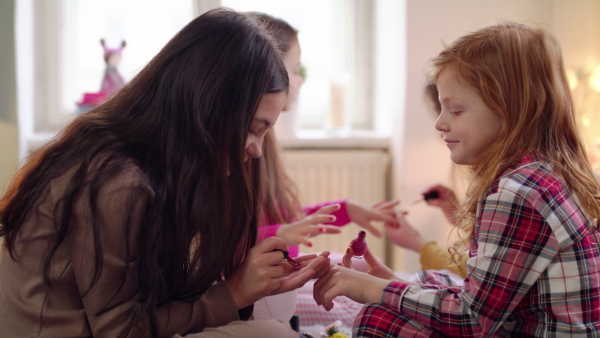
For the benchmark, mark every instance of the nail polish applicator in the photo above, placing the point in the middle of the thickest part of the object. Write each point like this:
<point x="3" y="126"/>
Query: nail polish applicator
<point x="288" y="258"/>
<point x="431" y="196"/>
<point x="426" y="197"/>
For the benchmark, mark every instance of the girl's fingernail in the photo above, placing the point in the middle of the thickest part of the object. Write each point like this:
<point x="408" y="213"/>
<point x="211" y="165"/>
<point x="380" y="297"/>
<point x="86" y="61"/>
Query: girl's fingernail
<point x="332" y="218"/>
<point x="309" y="245"/>
<point x="321" y="229"/>
<point x="347" y="250"/>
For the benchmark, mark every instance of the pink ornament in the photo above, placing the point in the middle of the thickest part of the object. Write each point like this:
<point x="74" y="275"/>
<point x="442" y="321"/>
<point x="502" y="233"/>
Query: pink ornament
<point x="113" y="81"/>
<point x="359" y="245"/>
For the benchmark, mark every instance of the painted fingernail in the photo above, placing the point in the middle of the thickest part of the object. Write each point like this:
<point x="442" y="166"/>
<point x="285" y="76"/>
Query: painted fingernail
<point x="292" y="261"/>
<point x="309" y="245"/>
<point x="347" y="250"/>
<point x="321" y="229"/>
<point x="332" y="218"/>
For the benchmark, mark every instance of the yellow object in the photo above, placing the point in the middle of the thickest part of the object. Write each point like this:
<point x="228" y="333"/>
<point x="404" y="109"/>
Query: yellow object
<point x="434" y="257"/>
<point x="339" y="335"/>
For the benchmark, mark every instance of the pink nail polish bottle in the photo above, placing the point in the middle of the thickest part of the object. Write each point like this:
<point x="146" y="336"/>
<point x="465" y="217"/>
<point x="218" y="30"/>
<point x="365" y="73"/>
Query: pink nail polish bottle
<point x="359" y="245"/>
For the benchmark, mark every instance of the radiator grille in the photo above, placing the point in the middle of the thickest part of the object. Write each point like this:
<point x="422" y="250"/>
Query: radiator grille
<point x="324" y="175"/>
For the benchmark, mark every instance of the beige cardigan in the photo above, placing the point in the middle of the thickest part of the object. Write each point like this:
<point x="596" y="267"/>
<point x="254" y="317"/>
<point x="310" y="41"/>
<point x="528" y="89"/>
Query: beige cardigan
<point x="28" y="308"/>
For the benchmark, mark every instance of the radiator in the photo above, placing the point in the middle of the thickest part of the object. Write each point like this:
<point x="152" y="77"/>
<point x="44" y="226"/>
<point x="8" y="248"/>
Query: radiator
<point x="324" y="175"/>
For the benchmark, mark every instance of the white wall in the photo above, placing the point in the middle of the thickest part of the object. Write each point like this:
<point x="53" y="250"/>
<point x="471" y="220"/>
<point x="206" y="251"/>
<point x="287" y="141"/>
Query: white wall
<point x="8" y="95"/>
<point x="577" y="26"/>
<point x="420" y="156"/>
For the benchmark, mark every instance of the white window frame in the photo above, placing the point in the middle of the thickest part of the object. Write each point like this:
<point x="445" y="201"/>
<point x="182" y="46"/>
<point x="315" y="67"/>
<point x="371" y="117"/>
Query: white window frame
<point x="47" y="81"/>
<point x="364" y="68"/>
<point x="353" y="78"/>
<point x="44" y="89"/>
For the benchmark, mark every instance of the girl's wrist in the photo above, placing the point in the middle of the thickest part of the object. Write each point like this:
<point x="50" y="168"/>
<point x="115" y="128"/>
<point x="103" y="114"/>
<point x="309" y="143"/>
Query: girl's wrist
<point x="418" y="245"/>
<point x="282" y="232"/>
<point x="376" y="294"/>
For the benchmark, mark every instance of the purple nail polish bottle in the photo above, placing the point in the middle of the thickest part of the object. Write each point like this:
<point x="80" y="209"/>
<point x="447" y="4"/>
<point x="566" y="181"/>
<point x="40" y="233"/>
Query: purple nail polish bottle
<point x="359" y="245"/>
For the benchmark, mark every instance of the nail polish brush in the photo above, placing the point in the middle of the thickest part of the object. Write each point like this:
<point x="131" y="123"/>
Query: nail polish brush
<point x="287" y="257"/>
<point x="426" y="197"/>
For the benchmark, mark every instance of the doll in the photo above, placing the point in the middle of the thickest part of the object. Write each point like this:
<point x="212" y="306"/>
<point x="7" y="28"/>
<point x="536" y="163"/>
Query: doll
<point x="113" y="81"/>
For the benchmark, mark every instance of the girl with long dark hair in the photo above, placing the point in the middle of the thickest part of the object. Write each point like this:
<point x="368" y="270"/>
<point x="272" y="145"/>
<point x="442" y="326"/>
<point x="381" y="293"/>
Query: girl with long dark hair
<point x="140" y="218"/>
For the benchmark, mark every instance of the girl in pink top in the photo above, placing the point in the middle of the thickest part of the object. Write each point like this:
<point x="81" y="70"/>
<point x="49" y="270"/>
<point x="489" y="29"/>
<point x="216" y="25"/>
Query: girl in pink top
<point x="284" y="217"/>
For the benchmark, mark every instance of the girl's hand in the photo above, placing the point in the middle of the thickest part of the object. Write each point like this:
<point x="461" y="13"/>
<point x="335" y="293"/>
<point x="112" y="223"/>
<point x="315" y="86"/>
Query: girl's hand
<point x="376" y="268"/>
<point x="363" y="215"/>
<point x="404" y="235"/>
<point x="361" y="287"/>
<point x="310" y="226"/>
<point x="342" y="281"/>
<point x="264" y="272"/>
<point x="312" y="266"/>
<point x="447" y="200"/>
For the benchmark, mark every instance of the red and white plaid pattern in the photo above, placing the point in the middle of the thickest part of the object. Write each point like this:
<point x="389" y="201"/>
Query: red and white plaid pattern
<point x="533" y="271"/>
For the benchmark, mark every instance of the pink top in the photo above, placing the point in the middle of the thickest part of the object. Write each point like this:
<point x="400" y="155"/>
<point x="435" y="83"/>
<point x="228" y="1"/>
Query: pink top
<point x="341" y="216"/>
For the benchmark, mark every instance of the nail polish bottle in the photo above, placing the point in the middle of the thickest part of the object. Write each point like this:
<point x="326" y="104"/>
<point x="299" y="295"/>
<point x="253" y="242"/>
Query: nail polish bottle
<point x="431" y="196"/>
<point x="359" y="245"/>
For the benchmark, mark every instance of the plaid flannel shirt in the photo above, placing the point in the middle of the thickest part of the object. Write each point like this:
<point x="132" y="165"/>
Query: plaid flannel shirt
<point x="533" y="271"/>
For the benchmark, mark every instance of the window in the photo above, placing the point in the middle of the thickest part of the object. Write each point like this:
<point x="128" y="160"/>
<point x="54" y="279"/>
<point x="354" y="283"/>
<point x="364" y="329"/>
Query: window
<point x="146" y="26"/>
<point x="335" y="36"/>
<point x="68" y="59"/>
<point x="67" y="34"/>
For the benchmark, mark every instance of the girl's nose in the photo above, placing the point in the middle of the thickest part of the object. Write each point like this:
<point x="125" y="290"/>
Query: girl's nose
<point x="440" y="123"/>
<point x="254" y="149"/>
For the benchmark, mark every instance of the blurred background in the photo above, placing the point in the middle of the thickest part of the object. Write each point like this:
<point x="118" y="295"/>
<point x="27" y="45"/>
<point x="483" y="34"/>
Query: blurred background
<point x="363" y="127"/>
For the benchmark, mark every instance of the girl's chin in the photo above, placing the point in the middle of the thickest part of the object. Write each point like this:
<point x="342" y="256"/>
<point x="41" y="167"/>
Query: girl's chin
<point x="460" y="161"/>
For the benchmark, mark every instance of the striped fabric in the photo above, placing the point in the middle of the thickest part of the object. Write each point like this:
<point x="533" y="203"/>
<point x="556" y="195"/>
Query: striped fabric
<point x="533" y="271"/>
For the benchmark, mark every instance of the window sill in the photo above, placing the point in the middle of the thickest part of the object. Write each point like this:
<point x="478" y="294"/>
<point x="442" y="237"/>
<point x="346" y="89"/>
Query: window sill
<point x="302" y="139"/>
<point x="324" y="139"/>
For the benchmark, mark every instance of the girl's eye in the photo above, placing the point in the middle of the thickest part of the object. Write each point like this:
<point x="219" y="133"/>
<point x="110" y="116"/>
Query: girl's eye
<point x="455" y="112"/>
<point x="253" y="132"/>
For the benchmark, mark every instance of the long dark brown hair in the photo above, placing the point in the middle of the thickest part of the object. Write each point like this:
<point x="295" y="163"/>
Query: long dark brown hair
<point x="183" y="120"/>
